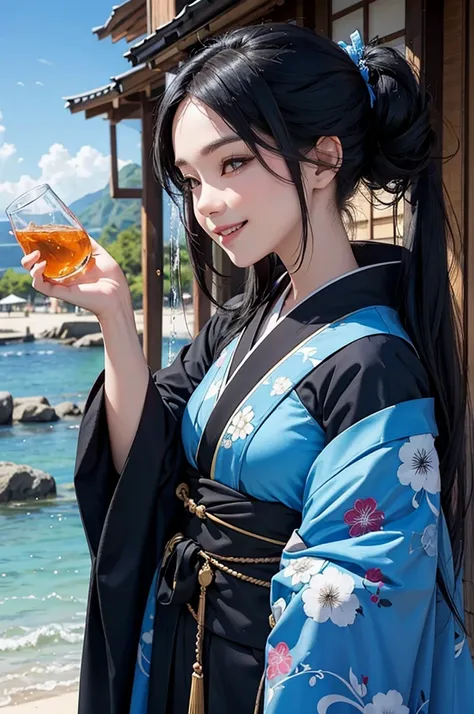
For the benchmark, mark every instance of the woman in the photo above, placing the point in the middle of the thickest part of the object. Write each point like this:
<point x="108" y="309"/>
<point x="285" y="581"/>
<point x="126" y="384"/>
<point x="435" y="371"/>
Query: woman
<point x="276" y="520"/>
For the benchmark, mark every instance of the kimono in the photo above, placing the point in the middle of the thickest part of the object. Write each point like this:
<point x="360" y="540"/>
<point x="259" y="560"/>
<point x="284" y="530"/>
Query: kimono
<point x="273" y="541"/>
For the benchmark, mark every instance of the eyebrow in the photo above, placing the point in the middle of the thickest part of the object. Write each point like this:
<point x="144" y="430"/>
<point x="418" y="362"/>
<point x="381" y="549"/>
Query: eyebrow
<point x="213" y="146"/>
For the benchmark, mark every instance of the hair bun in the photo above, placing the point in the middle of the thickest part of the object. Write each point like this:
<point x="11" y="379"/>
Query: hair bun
<point x="401" y="139"/>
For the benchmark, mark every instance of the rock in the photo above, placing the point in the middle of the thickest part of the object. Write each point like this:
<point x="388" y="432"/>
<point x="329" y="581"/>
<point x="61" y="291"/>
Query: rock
<point x="69" y="341"/>
<point x="90" y="341"/>
<point x="34" y="411"/>
<point x="77" y="329"/>
<point x="66" y="409"/>
<point x="6" y="407"/>
<point x="18" y="401"/>
<point x="21" y="483"/>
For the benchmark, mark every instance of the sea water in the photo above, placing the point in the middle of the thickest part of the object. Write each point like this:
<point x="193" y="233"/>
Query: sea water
<point x="44" y="561"/>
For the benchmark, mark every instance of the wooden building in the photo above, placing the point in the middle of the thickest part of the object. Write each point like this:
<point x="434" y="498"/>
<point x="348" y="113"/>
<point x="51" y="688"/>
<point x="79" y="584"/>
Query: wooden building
<point x="436" y="36"/>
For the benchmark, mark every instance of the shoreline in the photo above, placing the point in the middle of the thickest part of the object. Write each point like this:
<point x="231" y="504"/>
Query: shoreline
<point x="61" y="704"/>
<point x="38" y="322"/>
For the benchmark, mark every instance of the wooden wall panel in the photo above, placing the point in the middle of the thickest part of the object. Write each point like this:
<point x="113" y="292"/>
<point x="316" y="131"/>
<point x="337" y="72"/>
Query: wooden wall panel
<point x="160" y="12"/>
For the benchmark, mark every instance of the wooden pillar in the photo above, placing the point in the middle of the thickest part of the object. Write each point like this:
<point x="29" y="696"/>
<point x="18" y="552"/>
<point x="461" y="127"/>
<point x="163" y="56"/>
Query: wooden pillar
<point x="201" y="307"/>
<point x="152" y="245"/>
<point x="322" y="17"/>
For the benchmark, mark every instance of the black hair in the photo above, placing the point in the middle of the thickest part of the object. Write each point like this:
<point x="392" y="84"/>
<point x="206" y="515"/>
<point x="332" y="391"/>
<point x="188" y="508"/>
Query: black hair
<point x="294" y="86"/>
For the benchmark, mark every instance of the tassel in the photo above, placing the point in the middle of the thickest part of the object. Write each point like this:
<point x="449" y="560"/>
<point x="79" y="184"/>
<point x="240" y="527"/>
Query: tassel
<point x="196" y="695"/>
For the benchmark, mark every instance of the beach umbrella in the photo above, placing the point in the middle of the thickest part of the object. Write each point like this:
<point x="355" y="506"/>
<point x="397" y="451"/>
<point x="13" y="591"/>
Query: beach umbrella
<point x="12" y="300"/>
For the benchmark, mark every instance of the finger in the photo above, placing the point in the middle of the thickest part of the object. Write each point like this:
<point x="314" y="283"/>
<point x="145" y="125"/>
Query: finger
<point x="30" y="259"/>
<point x="39" y="282"/>
<point x="38" y="269"/>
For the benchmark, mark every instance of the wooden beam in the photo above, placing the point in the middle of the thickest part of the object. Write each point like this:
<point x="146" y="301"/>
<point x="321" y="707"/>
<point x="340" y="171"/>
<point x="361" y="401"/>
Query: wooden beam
<point x="117" y="191"/>
<point x="128" y="193"/>
<point x="245" y="12"/>
<point x="95" y="111"/>
<point x="152" y="246"/>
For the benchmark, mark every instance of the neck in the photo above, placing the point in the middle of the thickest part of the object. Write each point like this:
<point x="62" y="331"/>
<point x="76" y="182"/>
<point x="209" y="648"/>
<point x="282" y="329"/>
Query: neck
<point x="328" y="256"/>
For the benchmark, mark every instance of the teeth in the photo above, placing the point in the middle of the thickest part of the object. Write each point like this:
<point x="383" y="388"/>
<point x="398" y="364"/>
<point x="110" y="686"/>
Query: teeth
<point x="232" y="230"/>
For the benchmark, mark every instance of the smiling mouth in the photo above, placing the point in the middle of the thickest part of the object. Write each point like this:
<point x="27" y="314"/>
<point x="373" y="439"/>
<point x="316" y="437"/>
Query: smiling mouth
<point x="234" y="229"/>
<point x="229" y="235"/>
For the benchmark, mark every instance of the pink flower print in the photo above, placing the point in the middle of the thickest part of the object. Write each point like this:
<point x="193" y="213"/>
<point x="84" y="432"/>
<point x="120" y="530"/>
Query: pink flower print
<point x="279" y="661"/>
<point x="374" y="575"/>
<point x="374" y="598"/>
<point x="221" y="359"/>
<point x="363" y="517"/>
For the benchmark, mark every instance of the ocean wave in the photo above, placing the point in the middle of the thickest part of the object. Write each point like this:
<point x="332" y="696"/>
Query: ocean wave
<point x="25" y="353"/>
<point x="48" y="686"/>
<point x="40" y="636"/>
<point x="52" y="668"/>
<point x="51" y="596"/>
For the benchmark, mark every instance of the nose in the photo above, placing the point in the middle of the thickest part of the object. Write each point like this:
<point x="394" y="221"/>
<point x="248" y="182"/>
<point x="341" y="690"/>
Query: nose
<point x="210" y="200"/>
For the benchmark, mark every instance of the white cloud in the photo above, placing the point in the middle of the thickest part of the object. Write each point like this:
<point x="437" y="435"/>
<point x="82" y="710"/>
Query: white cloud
<point x="40" y="84"/>
<point x="20" y="159"/>
<point x="2" y="128"/>
<point x="1" y="116"/>
<point x="6" y="150"/>
<point x="45" y="61"/>
<point x="71" y="176"/>
<point x="20" y="84"/>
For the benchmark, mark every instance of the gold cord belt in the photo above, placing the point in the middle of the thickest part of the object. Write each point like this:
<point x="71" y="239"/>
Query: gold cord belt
<point x="205" y="577"/>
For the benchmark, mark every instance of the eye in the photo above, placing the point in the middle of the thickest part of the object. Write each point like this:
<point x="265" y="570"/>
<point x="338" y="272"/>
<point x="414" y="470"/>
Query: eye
<point x="189" y="182"/>
<point x="235" y="163"/>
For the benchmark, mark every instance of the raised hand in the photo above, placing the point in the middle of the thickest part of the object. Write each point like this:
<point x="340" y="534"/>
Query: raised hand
<point x="100" y="288"/>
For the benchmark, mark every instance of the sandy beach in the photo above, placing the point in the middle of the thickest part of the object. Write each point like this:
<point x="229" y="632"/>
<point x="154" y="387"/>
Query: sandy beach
<point x="63" y="704"/>
<point x="38" y="322"/>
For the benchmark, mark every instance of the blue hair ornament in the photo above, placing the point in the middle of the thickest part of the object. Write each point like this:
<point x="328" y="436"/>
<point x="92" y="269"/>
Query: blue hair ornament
<point x="356" y="52"/>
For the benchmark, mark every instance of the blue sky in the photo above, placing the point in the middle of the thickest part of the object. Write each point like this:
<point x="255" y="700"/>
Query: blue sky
<point x="47" y="51"/>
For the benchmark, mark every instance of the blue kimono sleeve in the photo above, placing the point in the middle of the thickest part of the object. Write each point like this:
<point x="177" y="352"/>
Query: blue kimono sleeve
<point x="354" y="604"/>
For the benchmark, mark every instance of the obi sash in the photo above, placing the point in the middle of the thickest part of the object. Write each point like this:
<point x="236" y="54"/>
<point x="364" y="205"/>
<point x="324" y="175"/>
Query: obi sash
<point x="227" y="550"/>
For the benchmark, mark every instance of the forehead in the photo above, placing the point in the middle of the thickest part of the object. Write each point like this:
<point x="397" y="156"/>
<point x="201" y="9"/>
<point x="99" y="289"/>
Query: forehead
<point x="195" y="126"/>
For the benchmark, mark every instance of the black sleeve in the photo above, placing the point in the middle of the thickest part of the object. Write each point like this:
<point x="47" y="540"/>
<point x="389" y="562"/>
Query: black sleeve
<point x="366" y="376"/>
<point x="128" y="518"/>
<point x="157" y="437"/>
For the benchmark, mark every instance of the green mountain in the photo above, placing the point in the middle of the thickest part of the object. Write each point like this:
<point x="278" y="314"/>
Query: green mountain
<point x="97" y="210"/>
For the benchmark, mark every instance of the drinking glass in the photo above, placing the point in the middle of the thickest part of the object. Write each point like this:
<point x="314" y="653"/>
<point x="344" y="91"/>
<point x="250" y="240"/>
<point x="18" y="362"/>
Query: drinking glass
<point x="41" y="221"/>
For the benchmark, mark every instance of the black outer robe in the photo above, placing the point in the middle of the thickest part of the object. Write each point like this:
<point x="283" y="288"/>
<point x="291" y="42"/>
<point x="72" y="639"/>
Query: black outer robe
<point x="128" y="518"/>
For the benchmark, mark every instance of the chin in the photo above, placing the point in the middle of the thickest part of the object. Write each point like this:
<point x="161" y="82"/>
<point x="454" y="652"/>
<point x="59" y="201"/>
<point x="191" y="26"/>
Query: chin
<point x="243" y="261"/>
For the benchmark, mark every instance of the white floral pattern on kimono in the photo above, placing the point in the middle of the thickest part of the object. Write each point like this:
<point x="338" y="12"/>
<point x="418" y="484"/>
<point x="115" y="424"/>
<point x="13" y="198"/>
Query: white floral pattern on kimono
<point x="241" y="425"/>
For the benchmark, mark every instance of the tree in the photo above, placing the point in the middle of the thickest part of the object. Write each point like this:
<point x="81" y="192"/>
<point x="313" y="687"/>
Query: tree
<point x="108" y="235"/>
<point x="126" y="249"/>
<point x="17" y="283"/>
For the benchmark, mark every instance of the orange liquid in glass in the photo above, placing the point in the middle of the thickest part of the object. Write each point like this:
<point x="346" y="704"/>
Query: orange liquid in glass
<point x="65" y="249"/>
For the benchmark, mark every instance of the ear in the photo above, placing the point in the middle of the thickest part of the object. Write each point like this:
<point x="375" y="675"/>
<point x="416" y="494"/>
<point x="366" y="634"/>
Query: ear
<point x="328" y="156"/>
